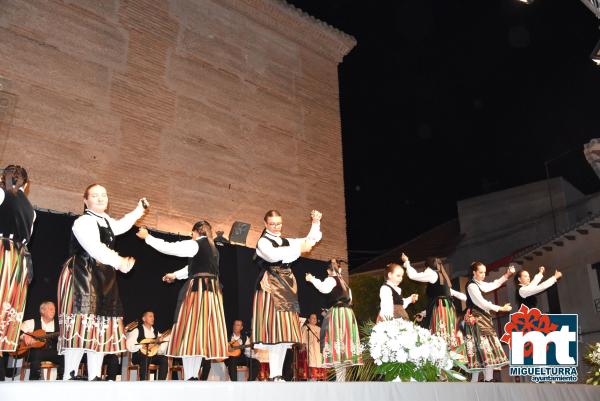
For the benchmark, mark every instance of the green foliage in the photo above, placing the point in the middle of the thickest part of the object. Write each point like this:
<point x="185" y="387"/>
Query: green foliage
<point x="365" y="297"/>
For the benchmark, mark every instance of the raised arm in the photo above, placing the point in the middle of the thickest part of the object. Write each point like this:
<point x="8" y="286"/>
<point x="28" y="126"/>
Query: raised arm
<point x="536" y="288"/>
<point x="458" y="295"/>
<point x="325" y="286"/>
<point x="185" y="249"/>
<point x="123" y="224"/>
<point x="488" y="287"/>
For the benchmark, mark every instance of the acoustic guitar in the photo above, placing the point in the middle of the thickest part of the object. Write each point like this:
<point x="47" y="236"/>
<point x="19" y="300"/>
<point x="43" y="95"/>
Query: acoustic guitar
<point x="150" y="346"/>
<point x="235" y="348"/>
<point x="40" y="336"/>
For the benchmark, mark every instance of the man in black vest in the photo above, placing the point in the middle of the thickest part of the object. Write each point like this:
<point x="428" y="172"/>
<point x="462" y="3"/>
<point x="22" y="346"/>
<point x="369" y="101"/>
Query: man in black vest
<point x="49" y="323"/>
<point x="245" y="357"/>
<point x="136" y="336"/>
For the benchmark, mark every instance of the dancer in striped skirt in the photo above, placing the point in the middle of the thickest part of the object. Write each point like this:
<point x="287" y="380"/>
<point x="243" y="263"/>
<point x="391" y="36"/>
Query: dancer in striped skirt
<point x="483" y="348"/>
<point x="440" y="315"/>
<point x="275" y="321"/>
<point x="16" y="224"/>
<point x="340" y="341"/>
<point x="90" y="310"/>
<point x="199" y="329"/>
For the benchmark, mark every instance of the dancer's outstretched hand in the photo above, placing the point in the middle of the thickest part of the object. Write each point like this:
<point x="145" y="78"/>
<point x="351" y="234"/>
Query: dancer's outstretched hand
<point x="142" y="233"/>
<point x="169" y="278"/>
<point x="316" y="216"/>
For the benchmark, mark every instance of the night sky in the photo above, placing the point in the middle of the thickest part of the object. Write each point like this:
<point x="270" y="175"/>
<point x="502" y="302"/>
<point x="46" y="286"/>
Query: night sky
<point x="449" y="99"/>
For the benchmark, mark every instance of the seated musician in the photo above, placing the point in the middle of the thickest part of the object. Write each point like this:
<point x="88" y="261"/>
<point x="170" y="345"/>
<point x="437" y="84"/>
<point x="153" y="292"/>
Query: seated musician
<point x="245" y="358"/>
<point x="49" y="323"/>
<point x="134" y="339"/>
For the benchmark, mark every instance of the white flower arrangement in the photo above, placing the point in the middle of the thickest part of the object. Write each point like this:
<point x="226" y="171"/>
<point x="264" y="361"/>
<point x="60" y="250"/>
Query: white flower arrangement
<point x="401" y="348"/>
<point x="593" y="358"/>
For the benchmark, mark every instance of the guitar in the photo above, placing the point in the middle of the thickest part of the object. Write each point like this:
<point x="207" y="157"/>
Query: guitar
<point x="235" y="348"/>
<point x="150" y="346"/>
<point x="40" y="336"/>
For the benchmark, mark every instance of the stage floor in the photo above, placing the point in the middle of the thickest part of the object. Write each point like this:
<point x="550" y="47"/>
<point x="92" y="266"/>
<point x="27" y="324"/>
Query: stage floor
<point x="328" y="391"/>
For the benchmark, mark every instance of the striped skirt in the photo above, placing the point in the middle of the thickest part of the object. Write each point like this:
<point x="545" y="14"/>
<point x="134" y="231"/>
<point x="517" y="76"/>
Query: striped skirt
<point x="104" y="334"/>
<point x="445" y="324"/>
<point x="13" y="292"/>
<point x="340" y="340"/>
<point x="483" y="348"/>
<point x="199" y="329"/>
<point x="270" y="326"/>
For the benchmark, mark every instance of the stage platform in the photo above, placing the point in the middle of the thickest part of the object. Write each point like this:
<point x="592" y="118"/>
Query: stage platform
<point x="292" y="391"/>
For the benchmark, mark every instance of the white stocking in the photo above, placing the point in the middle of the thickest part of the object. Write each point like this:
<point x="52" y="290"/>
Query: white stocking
<point x="72" y="360"/>
<point x="94" y="364"/>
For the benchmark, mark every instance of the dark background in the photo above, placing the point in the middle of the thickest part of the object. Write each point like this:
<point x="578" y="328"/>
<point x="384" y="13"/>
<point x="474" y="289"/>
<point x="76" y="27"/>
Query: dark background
<point x="142" y="288"/>
<point x="448" y="99"/>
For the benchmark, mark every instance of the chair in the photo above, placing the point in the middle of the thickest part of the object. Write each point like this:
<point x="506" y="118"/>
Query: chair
<point x="152" y="368"/>
<point x="174" y="368"/>
<point x="44" y="365"/>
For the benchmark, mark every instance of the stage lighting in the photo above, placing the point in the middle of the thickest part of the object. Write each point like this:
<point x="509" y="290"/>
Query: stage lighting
<point x="526" y="1"/>
<point x="239" y="232"/>
<point x="595" y="56"/>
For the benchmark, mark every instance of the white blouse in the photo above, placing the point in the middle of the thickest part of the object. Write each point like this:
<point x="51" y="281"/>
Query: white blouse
<point x="327" y="285"/>
<point x="534" y="287"/>
<point x="478" y="298"/>
<point x="386" y="306"/>
<point x="132" y="342"/>
<point x="85" y="229"/>
<point x="28" y="325"/>
<point x="184" y="249"/>
<point x="286" y="254"/>
<point x="429" y="276"/>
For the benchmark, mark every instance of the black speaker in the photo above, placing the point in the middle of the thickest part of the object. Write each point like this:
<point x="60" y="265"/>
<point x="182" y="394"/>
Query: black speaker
<point x="239" y="232"/>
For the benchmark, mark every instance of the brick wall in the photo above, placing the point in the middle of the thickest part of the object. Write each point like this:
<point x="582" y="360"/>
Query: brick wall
<point x="211" y="109"/>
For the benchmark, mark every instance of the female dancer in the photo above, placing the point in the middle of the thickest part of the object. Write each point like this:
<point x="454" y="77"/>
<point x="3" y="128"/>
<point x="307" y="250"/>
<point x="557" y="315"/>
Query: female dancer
<point x="392" y="305"/>
<point x="90" y="310"/>
<point x="275" y="321"/>
<point x="440" y="316"/>
<point x="340" y="341"/>
<point x="484" y="351"/>
<point x="16" y="225"/>
<point x="199" y="329"/>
